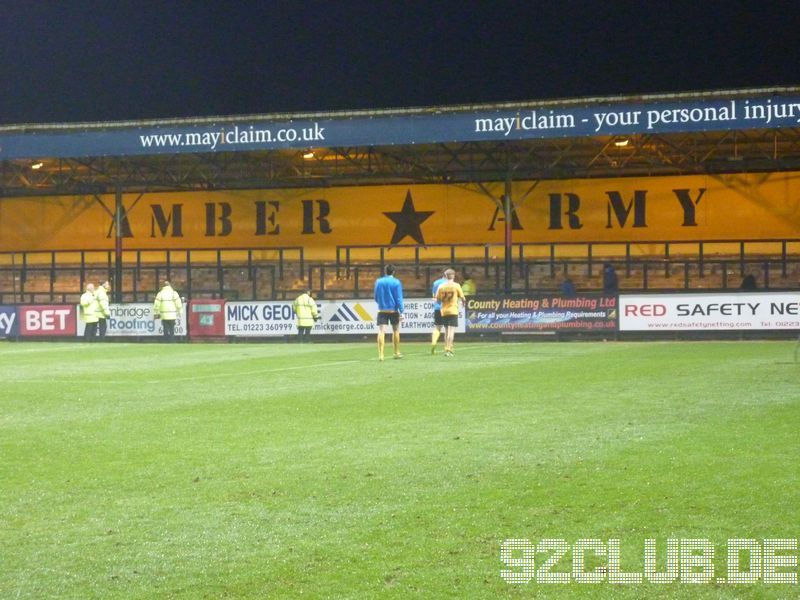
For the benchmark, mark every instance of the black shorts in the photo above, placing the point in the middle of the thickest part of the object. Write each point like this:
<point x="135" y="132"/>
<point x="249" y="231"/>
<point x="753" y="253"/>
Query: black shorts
<point x="450" y="320"/>
<point x="437" y="318"/>
<point x="389" y="318"/>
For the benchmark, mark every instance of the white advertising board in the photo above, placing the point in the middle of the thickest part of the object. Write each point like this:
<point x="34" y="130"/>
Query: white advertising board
<point x="339" y="317"/>
<point x="712" y="312"/>
<point x="135" y="320"/>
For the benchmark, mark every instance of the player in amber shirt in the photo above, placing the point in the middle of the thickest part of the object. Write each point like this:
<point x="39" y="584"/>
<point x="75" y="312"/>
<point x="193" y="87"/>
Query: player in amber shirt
<point x="438" y="324"/>
<point x="449" y="293"/>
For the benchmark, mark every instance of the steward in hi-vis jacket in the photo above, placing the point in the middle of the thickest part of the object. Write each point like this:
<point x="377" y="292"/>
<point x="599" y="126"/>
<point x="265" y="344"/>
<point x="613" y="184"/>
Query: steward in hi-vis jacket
<point x="101" y="293"/>
<point x="167" y="307"/>
<point x="305" y="308"/>
<point x="90" y="310"/>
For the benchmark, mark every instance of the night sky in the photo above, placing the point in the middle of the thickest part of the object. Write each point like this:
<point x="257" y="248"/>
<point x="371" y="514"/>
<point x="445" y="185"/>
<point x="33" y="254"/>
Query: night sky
<point x="96" y="61"/>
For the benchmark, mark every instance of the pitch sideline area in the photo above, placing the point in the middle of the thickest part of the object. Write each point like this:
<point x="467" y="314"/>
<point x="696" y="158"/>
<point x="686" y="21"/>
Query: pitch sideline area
<point x="267" y="470"/>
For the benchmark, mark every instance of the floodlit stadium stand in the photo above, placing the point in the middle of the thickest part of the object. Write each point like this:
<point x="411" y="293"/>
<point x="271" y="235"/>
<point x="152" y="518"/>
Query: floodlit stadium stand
<point x="679" y="191"/>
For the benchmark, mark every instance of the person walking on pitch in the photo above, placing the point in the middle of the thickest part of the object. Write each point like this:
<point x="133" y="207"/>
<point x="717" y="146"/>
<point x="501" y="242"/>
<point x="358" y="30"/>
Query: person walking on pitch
<point x="449" y="293"/>
<point x="389" y="298"/>
<point x="438" y="324"/>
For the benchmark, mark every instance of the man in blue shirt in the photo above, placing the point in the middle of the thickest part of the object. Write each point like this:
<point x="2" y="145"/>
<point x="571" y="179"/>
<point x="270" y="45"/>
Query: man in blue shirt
<point x="389" y="297"/>
<point x="438" y="323"/>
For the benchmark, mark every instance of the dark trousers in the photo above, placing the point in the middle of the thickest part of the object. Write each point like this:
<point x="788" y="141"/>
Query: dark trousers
<point x="90" y="333"/>
<point x="303" y="334"/>
<point x="169" y="329"/>
<point x="102" y="325"/>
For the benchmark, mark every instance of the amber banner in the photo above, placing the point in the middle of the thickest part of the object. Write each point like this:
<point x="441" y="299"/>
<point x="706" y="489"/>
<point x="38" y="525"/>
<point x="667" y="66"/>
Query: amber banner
<point x="639" y="210"/>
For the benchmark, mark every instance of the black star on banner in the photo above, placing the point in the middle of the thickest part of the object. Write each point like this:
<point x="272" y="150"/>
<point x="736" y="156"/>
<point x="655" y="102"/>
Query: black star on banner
<point x="407" y="221"/>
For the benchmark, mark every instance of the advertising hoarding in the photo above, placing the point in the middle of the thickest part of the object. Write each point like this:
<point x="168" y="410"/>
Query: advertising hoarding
<point x="136" y="320"/>
<point x="549" y="313"/>
<point x="624" y="117"/>
<point x="338" y="317"/>
<point x="8" y="322"/>
<point x="47" y="320"/>
<point x="711" y="312"/>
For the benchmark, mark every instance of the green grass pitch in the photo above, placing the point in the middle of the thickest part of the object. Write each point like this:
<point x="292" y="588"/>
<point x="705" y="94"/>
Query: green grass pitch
<point x="283" y="470"/>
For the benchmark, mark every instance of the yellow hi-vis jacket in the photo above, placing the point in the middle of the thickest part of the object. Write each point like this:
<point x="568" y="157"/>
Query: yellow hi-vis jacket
<point x="167" y="304"/>
<point x="90" y="308"/>
<point x="102" y="301"/>
<point x="468" y="287"/>
<point x="306" y="310"/>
